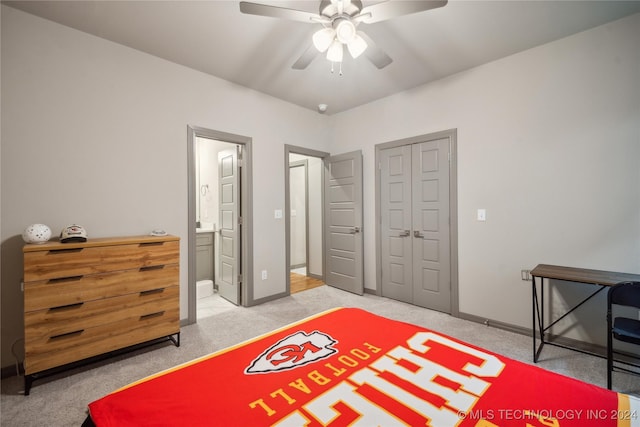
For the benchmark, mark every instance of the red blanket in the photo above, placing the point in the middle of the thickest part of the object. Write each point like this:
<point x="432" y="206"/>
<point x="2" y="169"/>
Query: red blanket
<point x="351" y="367"/>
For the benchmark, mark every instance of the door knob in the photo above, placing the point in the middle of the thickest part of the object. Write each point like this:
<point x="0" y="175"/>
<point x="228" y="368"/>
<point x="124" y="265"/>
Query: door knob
<point x="405" y="233"/>
<point x="355" y="230"/>
<point x="417" y="233"/>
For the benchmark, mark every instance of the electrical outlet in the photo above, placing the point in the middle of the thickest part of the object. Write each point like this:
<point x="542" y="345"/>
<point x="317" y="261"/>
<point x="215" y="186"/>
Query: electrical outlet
<point x="482" y="215"/>
<point x="264" y="275"/>
<point x="525" y="275"/>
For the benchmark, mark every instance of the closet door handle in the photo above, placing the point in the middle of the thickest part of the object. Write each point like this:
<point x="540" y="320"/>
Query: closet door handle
<point x="405" y="233"/>
<point x="418" y="234"/>
<point x="354" y="230"/>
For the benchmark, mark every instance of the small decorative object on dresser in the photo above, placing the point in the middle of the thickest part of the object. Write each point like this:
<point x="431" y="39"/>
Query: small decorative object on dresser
<point x="36" y="233"/>
<point x="73" y="233"/>
<point x="86" y="299"/>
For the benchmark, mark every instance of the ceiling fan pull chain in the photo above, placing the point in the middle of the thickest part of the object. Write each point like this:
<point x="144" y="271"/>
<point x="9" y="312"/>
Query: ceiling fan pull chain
<point x="332" y="67"/>
<point x="341" y="69"/>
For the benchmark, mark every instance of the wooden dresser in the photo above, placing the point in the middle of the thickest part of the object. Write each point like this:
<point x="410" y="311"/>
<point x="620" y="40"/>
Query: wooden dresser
<point x="86" y="299"/>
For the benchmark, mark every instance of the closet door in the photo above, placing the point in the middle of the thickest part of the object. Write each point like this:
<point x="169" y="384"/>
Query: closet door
<point x="396" y="223"/>
<point x="414" y="221"/>
<point x="431" y="254"/>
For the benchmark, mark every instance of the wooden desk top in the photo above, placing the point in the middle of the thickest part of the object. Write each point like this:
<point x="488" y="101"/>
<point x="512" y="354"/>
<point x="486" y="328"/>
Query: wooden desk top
<point x="582" y="275"/>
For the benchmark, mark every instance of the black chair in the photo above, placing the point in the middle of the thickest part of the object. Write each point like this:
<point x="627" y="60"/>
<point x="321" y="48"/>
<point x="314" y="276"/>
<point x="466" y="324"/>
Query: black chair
<point x="624" y="294"/>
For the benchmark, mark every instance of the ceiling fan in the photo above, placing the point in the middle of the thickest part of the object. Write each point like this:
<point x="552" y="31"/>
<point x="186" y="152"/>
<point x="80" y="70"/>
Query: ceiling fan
<point x="339" y="20"/>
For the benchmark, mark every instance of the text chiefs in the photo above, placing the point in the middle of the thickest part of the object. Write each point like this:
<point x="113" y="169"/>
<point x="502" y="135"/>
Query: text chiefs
<point x="395" y="375"/>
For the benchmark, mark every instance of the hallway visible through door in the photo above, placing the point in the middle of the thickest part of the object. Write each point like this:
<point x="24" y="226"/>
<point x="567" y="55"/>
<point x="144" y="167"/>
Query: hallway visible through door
<point x="304" y="218"/>
<point x="301" y="282"/>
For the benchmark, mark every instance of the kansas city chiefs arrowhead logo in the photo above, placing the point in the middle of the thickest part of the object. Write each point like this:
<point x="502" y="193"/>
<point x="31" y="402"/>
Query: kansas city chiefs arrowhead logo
<point x="292" y="352"/>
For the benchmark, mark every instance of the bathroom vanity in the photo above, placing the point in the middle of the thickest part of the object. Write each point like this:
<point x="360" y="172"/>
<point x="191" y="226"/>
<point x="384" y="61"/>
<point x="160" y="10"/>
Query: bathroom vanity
<point x="204" y="254"/>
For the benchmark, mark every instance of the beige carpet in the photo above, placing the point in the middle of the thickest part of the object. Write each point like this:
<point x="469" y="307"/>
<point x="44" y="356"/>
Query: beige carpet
<point x="62" y="400"/>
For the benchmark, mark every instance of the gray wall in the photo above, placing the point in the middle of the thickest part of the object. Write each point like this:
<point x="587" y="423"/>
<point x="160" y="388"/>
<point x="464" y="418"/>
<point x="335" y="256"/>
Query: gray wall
<point x="548" y="144"/>
<point x="96" y="133"/>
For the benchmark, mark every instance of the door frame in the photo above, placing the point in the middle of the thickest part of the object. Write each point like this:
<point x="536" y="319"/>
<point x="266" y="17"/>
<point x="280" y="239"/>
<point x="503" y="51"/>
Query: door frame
<point x="246" y="211"/>
<point x="303" y="164"/>
<point x="292" y="149"/>
<point x="451" y="134"/>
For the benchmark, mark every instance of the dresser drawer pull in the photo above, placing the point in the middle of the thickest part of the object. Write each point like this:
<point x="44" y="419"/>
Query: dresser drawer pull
<point x="66" y="307"/>
<point x="152" y="291"/>
<point x="152" y="244"/>
<point x="65" y="251"/>
<point x="152" y="267"/>
<point x="65" y="279"/>
<point x="149" y="316"/>
<point x="66" y="335"/>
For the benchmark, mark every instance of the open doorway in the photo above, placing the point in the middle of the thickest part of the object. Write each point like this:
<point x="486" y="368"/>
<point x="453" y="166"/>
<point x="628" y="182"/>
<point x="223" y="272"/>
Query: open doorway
<point x="217" y="231"/>
<point x="220" y="235"/>
<point x="304" y="201"/>
<point x="340" y="245"/>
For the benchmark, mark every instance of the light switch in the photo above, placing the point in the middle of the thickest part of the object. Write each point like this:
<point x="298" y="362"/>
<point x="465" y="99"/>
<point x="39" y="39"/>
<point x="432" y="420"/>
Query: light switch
<point x="482" y="214"/>
<point x="294" y="212"/>
<point x="277" y="214"/>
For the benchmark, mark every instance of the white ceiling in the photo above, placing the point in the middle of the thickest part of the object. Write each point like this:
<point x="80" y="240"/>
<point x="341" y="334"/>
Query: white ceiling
<point x="257" y="52"/>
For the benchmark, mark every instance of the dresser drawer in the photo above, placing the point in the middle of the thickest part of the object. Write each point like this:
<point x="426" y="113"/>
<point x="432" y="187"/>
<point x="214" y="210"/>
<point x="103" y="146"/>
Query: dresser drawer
<point x="90" y="342"/>
<point x="62" y="262"/>
<point x="85" y="299"/>
<point x="44" y="294"/>
<point x="44" y="327"/>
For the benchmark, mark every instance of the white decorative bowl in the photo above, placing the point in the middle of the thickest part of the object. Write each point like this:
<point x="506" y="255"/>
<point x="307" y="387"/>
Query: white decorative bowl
<point x="36" y="233"/>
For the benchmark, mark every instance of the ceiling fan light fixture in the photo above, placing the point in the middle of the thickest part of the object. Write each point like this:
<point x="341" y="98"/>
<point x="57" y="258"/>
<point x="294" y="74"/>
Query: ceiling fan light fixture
<point x="345" y="31"/>
<point x="357" y="46"/>
<point x="323" y="38"/>
<point x="334" y="53"/>
<point x="338" y="7"/>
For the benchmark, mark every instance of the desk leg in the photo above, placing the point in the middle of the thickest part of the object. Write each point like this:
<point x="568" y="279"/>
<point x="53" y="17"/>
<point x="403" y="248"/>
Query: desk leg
<point x="534" y="307"/>
<point x="534" y="312"/>
<point x="541" y="327"/>
<point x="537" y="310"/>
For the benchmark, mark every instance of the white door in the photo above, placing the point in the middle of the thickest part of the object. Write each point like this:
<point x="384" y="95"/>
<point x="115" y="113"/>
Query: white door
<point x="415" y="237"/>
<point x="343" y="219"/>
<point x="230" y="227"/>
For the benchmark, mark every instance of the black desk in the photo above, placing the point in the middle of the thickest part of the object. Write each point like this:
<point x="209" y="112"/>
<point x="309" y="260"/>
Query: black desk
<point x="600" y="279"/>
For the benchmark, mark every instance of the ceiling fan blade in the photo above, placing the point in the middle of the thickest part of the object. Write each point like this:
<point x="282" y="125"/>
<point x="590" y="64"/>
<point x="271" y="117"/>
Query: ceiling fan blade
<point x="376" y="55"/>
<point x="306" y="58"/>
<point x="391" y="9"/>
<point x="279" y="12"/>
